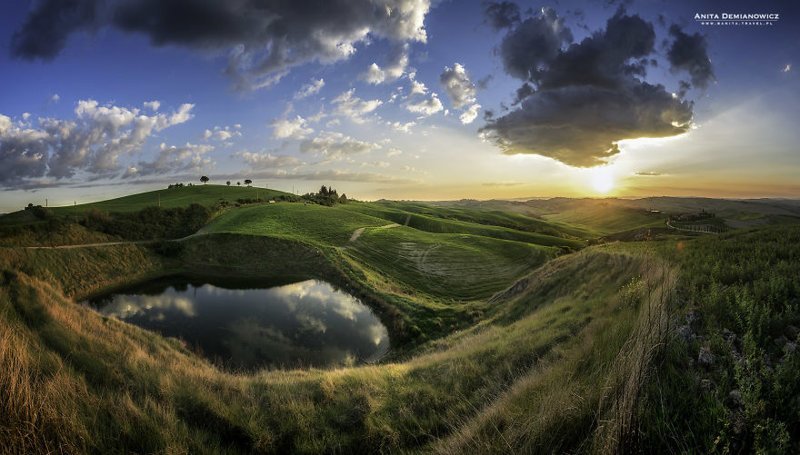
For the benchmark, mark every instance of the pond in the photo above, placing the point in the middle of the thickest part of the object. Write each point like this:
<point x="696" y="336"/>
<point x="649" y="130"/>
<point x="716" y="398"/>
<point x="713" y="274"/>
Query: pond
<point x="249" y="325"/>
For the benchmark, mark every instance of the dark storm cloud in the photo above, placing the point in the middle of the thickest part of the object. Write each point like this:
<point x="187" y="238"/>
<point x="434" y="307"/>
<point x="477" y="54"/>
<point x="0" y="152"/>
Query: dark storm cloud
<point x="46" y="29"/>
<point x="690" y="53"/>
<point x="266" y="38"/>
<point x="500" y="15"/>
<point x="578" y="102"/>
<point x="534" y="43"/>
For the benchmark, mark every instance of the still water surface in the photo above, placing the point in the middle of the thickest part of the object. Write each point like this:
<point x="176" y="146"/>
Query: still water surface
<point x="248" y="326"/>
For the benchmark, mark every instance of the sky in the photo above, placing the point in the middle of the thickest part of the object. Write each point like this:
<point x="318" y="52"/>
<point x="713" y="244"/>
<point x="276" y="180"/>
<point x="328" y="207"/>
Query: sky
<point x="399" y="99"/>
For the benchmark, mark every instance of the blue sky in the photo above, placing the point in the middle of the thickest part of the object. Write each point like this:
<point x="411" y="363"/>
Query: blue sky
<point x="375" y="139"/>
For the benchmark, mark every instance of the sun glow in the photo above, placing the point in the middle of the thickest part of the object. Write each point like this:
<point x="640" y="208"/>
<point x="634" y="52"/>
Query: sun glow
<point x="601" y="180"/>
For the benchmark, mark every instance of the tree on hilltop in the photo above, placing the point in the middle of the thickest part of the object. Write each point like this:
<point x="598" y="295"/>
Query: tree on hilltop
<point x="204" y="179"/>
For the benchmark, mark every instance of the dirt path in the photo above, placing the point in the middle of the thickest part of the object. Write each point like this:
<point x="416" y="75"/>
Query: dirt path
<point x="696" y="230"/>
<point x="100" y="244"/>
<point x="357" y="233"/>
<point x="85" y="245"/>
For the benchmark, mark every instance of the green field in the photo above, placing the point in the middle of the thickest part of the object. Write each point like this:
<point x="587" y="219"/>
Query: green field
<point x="456" y="266"/>
<point x="508" y="333"/>
<point x="462" y="266"/>
<point x="207" y="195"/>
<point x="302" y="222"/>
<point x="492" y="224"/>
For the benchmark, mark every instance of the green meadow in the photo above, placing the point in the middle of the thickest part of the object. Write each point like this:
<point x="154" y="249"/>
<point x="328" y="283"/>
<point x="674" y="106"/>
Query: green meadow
<point x="514" y="327"/>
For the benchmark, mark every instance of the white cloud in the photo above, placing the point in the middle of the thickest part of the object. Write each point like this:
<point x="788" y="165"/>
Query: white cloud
<point x="470" y="114"/>
<point x="426" y="106"/>
<point x="392" y="71"/>
<point x="402" y="127"/>
<point x="152" y="105"/>
<point x="92" y="142"/>
<point x="223" y="134"/>
<point x="787" y="68"/>
<point x="394" y="151"/>
<point x="350" y="106"/>
<point x="312" y="88"/>
<point x="417" y="88"/>
<point x="267" y="160"/>
<point x="172" y="159"/>
<point x="334" y="145"/>
<point x="295" y="128"/>
<point x="55" y="98"/>
<point x="458" y="86"/>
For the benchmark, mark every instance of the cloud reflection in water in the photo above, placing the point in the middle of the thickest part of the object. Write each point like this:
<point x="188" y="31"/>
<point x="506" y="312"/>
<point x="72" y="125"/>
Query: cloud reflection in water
<point x="308" y="323"/>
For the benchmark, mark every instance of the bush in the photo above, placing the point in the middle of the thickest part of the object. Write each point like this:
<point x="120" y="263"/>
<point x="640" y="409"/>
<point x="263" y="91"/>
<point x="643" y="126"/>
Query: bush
<point x="166" y="248"/>
<point x="149" y="223"/>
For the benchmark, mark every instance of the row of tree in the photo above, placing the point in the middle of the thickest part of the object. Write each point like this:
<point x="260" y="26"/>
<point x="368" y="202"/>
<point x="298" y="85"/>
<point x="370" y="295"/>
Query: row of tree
<point x="326" y="196"/>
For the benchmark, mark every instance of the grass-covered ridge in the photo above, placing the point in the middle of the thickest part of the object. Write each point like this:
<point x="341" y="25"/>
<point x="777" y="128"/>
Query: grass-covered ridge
<point x="504" y="337"/>
<point x="68" y="366"/>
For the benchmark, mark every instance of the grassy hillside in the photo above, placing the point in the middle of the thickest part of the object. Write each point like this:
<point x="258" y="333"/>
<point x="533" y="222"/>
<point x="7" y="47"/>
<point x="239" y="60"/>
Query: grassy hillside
<point x="456" y="266"/>
<point x="207" y="195"/>
<point x="730" y="379"/>
<point x="500" y="343"/>
<point x="66" y="367"/>
<point x="176" y="197"/>
<point x="494" y="213"/>
<point x="490" y="224"/>
<point x="297" y="221"/>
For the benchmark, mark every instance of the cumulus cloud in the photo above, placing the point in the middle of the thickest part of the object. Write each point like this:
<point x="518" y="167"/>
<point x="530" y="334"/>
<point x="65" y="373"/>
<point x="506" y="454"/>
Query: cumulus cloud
<point x="534" y="43"/>
<point x="265" y="39"/>
<point x="470" y="114"/>
<point x="398" y="62"/>
<point x="152" y="105"/>
<point x="296" y="128"/>
<point x="267" y="160"/>
<point x="24" y="152"/>
<point x="350" y="106"/>
<point x="223" y="133"/>
<point x="461" y="91"/>
<point x="402" y="127"/>
<point x="172" y="159"/>
<point x="577" y="102"/>
<point x="92" y="142"/>
<point x="457" y="85"/>
<point x="690" y="53"/>
<point x="312" y="88"/>
<point x="327" y="175"/>
<point x="425" y="106"/>
<point x="335" y="146"/>
<point x="500" y="15"/>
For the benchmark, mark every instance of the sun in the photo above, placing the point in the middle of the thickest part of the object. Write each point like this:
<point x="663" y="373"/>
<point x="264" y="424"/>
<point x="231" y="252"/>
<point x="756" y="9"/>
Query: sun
<point x="601" y="180"/>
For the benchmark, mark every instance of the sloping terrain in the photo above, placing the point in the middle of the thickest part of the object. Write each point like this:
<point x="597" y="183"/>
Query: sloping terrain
<point x="500" y="344"/>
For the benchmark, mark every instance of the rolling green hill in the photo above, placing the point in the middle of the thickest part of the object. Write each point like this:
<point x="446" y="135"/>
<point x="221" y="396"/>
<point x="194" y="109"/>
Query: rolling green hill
<point x="461" y="266"/>
<point x="297" y="221"/>
<point x="502" y="340"/>
<point x="176" y="197"/>
<point x="492" y="224"/>
<point x="207" y="195"/>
